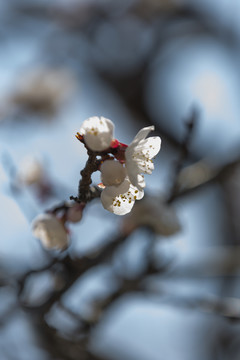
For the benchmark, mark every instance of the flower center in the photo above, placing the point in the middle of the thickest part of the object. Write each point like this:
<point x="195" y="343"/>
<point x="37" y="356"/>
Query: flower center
<point x="93" y="131"/>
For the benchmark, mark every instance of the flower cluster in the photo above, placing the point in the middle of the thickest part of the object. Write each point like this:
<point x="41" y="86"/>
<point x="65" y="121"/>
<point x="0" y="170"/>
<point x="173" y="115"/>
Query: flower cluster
<point x="122" y="167"/>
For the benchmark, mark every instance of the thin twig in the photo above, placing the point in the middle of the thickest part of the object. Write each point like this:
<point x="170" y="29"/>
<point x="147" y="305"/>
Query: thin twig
<point x="190" y="124"/>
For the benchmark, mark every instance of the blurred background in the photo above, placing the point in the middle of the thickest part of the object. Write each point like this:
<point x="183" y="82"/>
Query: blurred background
<point x="169" y="63"/>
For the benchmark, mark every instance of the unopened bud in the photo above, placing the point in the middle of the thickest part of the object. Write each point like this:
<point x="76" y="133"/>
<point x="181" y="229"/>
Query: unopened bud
<point x="112" y="173"/>
<point x="74" y="213"/>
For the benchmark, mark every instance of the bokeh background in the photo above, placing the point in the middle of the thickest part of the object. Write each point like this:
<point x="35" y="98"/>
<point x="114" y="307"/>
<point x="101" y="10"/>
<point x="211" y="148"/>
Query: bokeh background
<point x="138" y="63"/>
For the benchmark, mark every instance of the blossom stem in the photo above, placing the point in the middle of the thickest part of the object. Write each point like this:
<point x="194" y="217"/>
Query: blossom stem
<point x="84" y="190"/>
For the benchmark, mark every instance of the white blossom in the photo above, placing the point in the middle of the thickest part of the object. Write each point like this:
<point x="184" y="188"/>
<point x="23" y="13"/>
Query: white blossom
<point x="112" y="173"/>
<point x="30" y="171"/>
<point x="42" y="90"/>
<point x="139" y="155"/>
<point x="120" y="199"/>
<point x="50" y="231"/>
<point x="97" y="133"/>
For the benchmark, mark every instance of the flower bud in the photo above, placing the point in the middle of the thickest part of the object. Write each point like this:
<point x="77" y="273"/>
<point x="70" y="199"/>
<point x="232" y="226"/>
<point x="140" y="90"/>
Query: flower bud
<point x="112" y="173"/>
<point x="74" y="213"/>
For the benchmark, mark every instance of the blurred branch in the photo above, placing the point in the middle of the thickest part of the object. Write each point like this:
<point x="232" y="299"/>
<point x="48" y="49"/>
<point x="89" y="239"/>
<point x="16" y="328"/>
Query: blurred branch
<point x="62" y="347"/>
<point x="229" y="308"/>
<point x="201" y="174"/>
<point x="73" y="268"/>
<point x="21" y="282"/>
<point x="184" y="151"/>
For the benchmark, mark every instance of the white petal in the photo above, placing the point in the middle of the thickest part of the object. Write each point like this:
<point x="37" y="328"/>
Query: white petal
<point x="112" y="173"/>
<point x="150" y="146"/>
<point x="120" y="199"/>
<point x="133" y="172"/>
<point x="141" y="182"/>
<point x="145" y="165"/>
<point x="139" y="194"/>
<point x="139" y="156"/>
<point x="97" y="132"/>
<point x="143" y="133"/>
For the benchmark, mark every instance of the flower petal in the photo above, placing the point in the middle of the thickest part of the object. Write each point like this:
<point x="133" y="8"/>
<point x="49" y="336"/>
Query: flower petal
<point x="134" y="176"/>
<point x="143" y="133"/>
<point x="140" y="182"/>
<point x="139" y="156"/>
<point x="151" y="146"/>
<point x="120" y="199"/>
<point x="138" y="194"/>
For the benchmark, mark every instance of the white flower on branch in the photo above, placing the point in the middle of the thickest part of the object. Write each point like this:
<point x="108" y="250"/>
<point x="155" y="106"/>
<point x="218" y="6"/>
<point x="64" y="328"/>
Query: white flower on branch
<point x="121" y="165"/>
<point x="97" y="133"/>
<point x="112" y="173"/>
<point x="120" y="199"/>
<point x="50" y="231"/>
<point x="139" y="155"/>
<point x="30" y="171"/>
